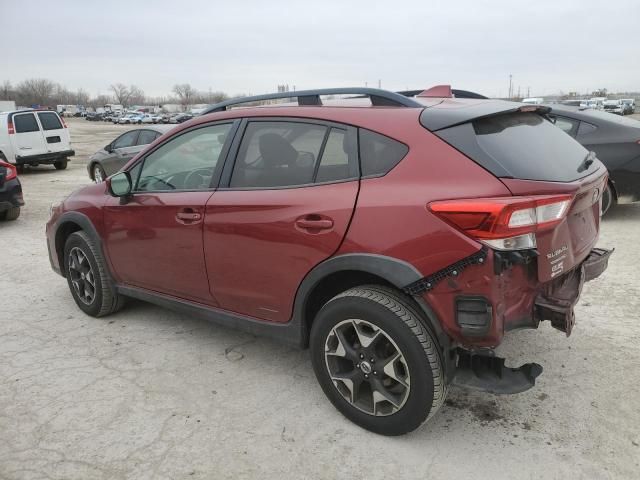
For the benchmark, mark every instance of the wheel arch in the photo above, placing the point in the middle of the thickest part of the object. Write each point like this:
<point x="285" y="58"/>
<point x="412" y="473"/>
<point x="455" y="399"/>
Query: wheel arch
<point x="69" y="223"/>
<point x="342" y="272"/>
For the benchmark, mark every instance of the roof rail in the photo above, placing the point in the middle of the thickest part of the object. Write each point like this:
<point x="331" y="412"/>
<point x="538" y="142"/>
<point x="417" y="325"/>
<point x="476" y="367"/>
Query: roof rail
<point x="312" y="97"/>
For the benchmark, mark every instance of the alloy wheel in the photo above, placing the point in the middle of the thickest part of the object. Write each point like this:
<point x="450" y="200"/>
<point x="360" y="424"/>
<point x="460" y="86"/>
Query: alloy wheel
<point x="97" y="174"/>
<point x="82" y="276"/>
<point x="367" y="367"/>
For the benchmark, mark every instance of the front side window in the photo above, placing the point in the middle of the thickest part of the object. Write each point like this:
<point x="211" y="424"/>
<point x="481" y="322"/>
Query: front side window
<point x="25" y="123"/>
<point x="50" y="121"/>
<point x="126" y="140"/>
<point x="186" y="162"/>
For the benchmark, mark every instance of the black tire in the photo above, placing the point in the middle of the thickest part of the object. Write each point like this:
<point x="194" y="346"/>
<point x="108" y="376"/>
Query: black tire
<point x="11" y="214"/>
<point x="608" y="199"/>
<point x="103" y="175"/>
<point x="394" y="314"/>
<point x="61" y="164"/>
<point x="106" y="299"/>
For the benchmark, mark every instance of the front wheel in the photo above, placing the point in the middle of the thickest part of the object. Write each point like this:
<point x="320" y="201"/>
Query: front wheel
<point x="376" y="361"/>
<point x="88" y="278"/>
<point x="61" y="164"/>
<point x="98" y="173"/>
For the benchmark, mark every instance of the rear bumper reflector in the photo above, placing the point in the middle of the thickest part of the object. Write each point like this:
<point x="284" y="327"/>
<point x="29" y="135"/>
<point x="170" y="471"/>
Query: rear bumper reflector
<point x="560" y="295"/>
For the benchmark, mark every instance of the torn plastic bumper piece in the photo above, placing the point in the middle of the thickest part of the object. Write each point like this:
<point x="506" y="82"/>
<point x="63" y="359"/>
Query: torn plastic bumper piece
<point x="486" y="373"/>
<point x="559" y="297"/>
<point x="428" y="283"/>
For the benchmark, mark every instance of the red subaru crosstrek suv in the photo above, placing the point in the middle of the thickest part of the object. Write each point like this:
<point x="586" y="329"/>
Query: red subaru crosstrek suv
<point x="399" y="238"/>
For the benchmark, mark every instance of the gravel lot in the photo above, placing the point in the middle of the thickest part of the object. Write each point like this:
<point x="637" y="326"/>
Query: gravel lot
<point x="150" y="394"/>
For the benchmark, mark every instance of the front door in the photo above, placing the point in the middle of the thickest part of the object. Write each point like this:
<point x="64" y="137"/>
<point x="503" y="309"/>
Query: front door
<point x="285" y="208"/>
<point x="28" y="139"/>
<point x="154" y="240"/>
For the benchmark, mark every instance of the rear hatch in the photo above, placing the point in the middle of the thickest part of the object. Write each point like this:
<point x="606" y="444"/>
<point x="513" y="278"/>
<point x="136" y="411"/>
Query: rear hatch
<point x="54" y="131"/>
<point x="539" y="163"/>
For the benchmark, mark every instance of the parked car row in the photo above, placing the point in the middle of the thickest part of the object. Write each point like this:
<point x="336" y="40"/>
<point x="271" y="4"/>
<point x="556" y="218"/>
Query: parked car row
<point x="132" y="118"/>
<point x="623" y="106"/>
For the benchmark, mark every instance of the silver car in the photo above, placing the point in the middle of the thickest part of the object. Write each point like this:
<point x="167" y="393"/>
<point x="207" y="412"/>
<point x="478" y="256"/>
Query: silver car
<point x="114" y="156"/>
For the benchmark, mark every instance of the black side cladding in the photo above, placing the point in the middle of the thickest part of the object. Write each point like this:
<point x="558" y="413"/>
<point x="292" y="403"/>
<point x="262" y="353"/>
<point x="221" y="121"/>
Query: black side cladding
<point x="429" y="282"/>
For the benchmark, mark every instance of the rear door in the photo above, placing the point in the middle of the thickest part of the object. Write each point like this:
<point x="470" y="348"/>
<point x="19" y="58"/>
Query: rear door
<point x="56" y="134"/>
<point x="28" y="139"/>
<point x="283" y="206"/>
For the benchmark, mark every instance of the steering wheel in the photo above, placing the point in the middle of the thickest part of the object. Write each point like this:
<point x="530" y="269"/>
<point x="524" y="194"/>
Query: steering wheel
<point x="159" y="180"/>
<point x="198" y="178"/>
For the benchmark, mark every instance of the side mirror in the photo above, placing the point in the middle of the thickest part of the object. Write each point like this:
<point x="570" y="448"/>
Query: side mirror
<point x="119" y="185"/>
<point x="109" y="148"/>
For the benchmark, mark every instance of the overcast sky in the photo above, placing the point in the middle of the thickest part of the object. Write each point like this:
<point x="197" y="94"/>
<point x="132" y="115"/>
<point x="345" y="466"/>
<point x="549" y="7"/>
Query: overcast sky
<point x="252" y="46"/>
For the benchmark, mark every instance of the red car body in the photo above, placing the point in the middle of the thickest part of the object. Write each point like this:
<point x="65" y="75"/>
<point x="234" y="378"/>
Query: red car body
<point x="266" y="259"/>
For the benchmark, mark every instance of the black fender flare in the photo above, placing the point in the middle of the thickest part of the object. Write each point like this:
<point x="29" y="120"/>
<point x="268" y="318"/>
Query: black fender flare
<point x="86" y="226"/>
<point x="397" y="272"/>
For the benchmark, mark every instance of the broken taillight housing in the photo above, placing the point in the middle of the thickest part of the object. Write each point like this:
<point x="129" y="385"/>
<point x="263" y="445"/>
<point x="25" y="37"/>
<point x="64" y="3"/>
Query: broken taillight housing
<point x="504" y="223"/>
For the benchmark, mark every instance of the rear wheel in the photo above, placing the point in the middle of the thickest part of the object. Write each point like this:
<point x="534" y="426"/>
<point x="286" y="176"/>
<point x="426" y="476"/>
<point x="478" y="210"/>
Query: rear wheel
<point x="11" y="214"/>
<point x="608" y="199"/>
<point x="376" y="361"/>
<point x="87" y="277"/>
<point x="61" y="164"/>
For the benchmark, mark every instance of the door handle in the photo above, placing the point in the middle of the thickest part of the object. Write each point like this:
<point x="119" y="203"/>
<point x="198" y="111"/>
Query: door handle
<point x="314" y="222"/>
<point x="188" y="216"/>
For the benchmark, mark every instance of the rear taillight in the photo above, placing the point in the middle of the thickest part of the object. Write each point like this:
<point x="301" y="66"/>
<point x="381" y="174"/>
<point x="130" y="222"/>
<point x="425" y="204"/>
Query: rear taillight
<point x="504" y="223"/>
<point x="11" y="173"/>
<point x="10" y="128"/>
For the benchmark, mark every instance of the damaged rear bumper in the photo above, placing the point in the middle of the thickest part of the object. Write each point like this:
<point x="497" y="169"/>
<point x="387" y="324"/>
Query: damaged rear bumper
<point x="559" y="297"/>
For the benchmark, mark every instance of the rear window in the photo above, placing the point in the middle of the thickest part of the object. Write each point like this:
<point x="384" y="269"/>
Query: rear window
<point x="147" y="136"/>
<point x="25" y="123"/>
<point x="379" y="154"/>
<point x="520" y="145"/>
<point x="50" y="121"/>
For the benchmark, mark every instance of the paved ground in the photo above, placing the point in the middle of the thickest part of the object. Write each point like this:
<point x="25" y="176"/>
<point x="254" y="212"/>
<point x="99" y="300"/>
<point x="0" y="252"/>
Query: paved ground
<point x="149" y="394"/>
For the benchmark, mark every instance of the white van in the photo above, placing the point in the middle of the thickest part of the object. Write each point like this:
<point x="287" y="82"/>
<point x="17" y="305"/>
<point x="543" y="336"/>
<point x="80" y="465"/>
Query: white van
<point x="533" y="100"/>
<point x="32" y="137"/>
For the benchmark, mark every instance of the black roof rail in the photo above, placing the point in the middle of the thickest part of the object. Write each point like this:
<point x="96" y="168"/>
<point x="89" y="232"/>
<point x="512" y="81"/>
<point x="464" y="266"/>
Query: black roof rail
<point x="456" y="93"/>
<point x="312" y="97"/>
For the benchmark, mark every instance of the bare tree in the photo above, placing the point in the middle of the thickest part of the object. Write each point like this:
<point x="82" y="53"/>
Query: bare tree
<point x="6" y="90"/>
<point x="35" y="91"/>
<point x="121" y="93"/>
<point x="185" y="93"/>
<point x="136" y="95"/>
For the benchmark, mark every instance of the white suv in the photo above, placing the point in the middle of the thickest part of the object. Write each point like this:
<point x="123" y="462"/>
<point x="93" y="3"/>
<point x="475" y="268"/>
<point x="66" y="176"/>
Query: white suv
<point x="32" y="137"/>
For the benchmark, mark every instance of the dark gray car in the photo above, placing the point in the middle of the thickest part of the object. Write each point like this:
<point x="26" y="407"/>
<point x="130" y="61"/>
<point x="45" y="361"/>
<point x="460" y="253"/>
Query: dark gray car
<point x="616" y="142"/>
<point x="115" y="155"/>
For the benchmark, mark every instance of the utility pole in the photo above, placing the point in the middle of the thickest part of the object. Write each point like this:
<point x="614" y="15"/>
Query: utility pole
<point x="379" y="83"/>
<point x="528" y="92"/>
<point x="510" y="85"/>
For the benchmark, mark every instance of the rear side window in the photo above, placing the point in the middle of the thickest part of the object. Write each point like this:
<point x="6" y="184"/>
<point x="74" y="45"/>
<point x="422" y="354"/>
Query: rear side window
<point x="25" y="123"/>
<point x="278" y="154"/>
<point x="147" y="136"/>
<point x="520" y="145"/>
<point x="379" y="154"/>
<point x="49" y="121"/>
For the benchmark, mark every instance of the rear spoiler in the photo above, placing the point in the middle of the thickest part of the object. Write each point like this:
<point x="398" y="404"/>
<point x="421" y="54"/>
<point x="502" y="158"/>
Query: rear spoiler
<point x="445" y="114"/>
